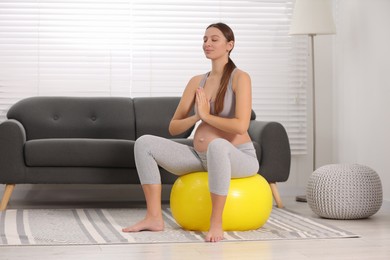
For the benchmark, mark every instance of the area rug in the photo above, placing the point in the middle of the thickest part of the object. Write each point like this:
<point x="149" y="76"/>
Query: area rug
<point x="103" y="226"/>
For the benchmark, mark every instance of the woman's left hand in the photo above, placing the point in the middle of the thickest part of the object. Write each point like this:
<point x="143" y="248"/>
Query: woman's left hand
<point x="202" y="103"/>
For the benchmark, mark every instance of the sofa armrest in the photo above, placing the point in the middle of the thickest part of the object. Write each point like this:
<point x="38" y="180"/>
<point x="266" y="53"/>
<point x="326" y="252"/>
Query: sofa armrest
<point x="275" y="153"/>
<point x="12" y="140"/>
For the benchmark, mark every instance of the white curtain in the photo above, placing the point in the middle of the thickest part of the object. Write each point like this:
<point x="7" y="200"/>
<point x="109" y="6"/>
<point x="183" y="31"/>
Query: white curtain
<point x="150" y="48"/>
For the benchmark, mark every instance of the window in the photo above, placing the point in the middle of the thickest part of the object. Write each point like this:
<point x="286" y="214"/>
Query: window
<point x="150" y="48"/>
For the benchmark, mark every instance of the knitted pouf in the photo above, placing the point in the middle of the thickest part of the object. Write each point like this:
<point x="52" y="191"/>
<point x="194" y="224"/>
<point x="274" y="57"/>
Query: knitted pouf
<point x="344" y="191"/>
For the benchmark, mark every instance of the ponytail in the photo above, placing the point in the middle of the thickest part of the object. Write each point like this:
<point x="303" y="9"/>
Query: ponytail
<point x="227" y="72"/>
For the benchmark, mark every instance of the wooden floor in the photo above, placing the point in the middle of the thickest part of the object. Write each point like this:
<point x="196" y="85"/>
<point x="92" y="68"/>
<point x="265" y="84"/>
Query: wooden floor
<point x="374" y="243"/>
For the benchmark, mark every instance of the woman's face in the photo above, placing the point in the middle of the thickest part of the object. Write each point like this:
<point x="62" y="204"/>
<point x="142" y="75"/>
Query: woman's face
<point x="215" y="44"/>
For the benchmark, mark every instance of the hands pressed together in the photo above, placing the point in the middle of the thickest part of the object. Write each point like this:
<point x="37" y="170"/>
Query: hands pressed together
<point x="202" y="104"/>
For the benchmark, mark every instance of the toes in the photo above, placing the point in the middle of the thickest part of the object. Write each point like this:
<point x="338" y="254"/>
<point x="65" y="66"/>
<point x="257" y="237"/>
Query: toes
<point x="127" y="230"/>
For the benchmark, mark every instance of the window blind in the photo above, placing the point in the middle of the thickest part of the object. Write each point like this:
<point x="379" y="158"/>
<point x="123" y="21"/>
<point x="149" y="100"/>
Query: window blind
<point x="150" y="48"/>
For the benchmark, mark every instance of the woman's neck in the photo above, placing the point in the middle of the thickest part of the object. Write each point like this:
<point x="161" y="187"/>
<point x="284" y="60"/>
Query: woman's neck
<point x="217" y="66"/>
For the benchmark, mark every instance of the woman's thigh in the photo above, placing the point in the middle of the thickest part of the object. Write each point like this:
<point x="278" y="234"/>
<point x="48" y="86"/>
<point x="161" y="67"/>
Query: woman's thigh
<point x="174" y="157"/>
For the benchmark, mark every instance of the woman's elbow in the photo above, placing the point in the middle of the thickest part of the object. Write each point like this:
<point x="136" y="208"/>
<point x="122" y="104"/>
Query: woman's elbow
<point x="173" y="130"/>
<point x="242" y="129"/>
<point x="239" y="130"/>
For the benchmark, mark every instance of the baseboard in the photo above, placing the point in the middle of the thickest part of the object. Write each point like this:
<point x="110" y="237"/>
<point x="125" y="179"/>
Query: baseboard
<point x="51" y="193"/>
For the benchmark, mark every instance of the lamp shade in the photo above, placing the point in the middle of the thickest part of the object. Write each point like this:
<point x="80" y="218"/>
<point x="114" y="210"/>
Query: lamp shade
<point x="312" y="17"/>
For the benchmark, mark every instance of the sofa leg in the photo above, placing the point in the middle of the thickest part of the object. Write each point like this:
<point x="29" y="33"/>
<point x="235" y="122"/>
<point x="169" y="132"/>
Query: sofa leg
<point x="9" y="188"/>
<point x="276" y="195"/>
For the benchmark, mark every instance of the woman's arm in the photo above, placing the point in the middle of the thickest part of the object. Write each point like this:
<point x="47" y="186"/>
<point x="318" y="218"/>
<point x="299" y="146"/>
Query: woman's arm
<point x="181" y="121"/>
<point x="240" y="123"/>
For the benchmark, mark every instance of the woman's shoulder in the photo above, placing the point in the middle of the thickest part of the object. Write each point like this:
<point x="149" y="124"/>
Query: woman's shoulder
<point x="240" y="77"/>
<point x="239" y="73"/>
<point x="195" y="80"/>
<point x="197" y="77"/>
<point x="193" y="84"/>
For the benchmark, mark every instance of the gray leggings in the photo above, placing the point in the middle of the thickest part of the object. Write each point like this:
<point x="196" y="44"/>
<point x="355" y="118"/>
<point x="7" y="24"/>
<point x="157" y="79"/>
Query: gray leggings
<point x="222" y="160"/>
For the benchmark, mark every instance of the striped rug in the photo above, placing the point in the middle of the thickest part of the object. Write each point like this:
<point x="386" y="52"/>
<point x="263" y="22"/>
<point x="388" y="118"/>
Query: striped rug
<point x="103" y="226"/>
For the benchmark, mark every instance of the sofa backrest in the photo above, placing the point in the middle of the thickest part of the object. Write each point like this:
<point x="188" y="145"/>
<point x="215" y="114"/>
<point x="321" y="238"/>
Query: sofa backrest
<point x="153" y="115"/>
<point x="96" y="117"/>
<point x="75" y="117"/>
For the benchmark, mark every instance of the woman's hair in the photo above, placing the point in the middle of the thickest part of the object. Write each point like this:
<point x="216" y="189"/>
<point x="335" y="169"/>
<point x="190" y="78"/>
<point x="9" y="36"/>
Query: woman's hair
<point x="228" y="69"/>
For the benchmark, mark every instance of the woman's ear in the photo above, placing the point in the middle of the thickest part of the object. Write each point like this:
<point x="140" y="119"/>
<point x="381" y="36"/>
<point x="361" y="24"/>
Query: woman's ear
<point x="230" y="46"/>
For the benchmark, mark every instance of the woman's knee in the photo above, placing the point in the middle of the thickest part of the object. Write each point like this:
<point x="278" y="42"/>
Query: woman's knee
<point x="218" y="145"/>
<point x="144" y="142"/>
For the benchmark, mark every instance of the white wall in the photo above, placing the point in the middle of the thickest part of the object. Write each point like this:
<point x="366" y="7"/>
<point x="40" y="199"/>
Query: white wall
<point x="361" y="90"/>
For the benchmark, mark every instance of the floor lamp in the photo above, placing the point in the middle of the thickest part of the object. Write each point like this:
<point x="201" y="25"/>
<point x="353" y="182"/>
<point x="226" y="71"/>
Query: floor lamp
<point x="312" y="17"/>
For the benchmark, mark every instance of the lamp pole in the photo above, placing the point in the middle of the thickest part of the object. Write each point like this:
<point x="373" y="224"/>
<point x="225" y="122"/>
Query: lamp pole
<point x="302" y="198"/>
<point x="313" y="100"/>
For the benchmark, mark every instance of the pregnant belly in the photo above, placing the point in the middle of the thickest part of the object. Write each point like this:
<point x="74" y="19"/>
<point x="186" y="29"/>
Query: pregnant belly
<point x="206" y="133"/>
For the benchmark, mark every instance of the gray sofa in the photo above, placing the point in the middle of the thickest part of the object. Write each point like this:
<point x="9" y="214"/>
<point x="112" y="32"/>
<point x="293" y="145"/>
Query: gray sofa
<point x="90" y="140"/>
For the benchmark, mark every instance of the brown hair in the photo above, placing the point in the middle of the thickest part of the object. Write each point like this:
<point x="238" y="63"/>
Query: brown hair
<point x="228" y="69"/>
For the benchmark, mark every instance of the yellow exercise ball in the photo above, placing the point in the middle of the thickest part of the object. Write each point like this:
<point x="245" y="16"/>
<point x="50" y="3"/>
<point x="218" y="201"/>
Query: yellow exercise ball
<point x="248" y="204"/>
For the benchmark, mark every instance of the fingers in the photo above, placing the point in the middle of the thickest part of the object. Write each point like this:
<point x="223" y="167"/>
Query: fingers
<point x="203" y="105"/>
<point x="201" y="95"/>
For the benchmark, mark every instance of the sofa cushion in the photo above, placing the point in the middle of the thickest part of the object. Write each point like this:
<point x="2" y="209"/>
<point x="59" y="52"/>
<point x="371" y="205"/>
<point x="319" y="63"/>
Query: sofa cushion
<point x="153" y="115"/>
<point x="73" y="152"/>
<point x="75" y="117"/>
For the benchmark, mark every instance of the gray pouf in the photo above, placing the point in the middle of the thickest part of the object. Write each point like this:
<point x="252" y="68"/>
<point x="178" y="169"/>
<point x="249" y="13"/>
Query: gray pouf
<point x="344" y="191"/>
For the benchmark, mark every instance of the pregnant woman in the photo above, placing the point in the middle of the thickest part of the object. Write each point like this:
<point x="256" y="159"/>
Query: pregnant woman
<point x="222" y="101"/>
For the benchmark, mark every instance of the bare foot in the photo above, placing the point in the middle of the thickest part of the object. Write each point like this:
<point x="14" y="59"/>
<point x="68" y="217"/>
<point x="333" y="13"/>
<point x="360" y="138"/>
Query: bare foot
<point x="147" y="224"/>
<point x="215" y="233"/>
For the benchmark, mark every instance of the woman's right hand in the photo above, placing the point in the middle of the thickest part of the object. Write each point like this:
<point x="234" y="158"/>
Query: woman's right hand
<point x="181" y="120"/>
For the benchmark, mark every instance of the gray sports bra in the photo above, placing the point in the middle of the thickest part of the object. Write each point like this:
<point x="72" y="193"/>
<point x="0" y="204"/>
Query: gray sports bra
<point x="229" y="103"/>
